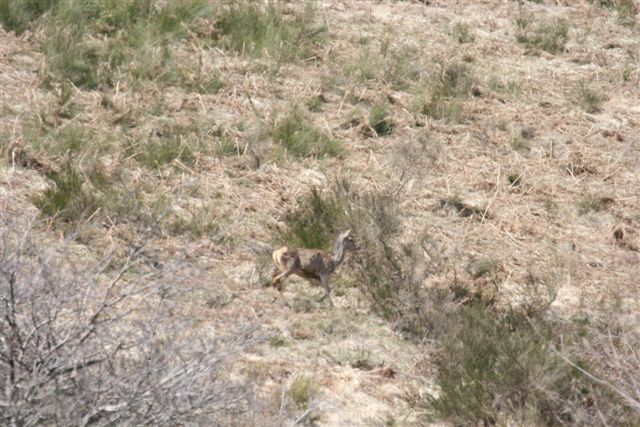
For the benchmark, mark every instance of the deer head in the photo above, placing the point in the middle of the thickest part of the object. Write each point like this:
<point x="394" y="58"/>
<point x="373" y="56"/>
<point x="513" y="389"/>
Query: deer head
<point x="347" y="242"/>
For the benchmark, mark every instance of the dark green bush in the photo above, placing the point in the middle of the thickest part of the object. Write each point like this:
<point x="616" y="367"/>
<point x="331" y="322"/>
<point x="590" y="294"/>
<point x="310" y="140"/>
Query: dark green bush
<point x="317" y="220"/>
<point x="494" y="366"/>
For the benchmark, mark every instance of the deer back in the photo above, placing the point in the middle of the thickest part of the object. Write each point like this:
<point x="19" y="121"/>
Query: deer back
<point x="314" y="263"/>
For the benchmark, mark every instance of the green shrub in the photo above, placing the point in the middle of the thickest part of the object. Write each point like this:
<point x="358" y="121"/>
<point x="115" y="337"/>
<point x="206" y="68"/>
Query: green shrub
<point x="548" y="36"/>
<point x="17" y="15"/>
<point x="299" y="138"/>
<point x="64" y="198"/>
<point x="73" y="196"/>
<point x="301" y="391"/>
<point x="447" y="94"/>
<point x="316" y="221"/>
<point x="589" y="99"/>
<point x="252" y="30"/>
<point x="462" y="33"/>
<point x="95" y="42"/>
<point x="494" y="366"/>
<point x="380" y="119"/>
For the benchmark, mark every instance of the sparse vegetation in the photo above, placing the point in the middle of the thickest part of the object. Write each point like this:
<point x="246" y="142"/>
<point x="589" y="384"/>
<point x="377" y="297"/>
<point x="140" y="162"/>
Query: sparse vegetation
<point x="462" y="33"/>
<point x="625" y="9"/>
<point x="397" y="68"/>
<point x="593" y="203"/>
<point x="588" y="98"/>
<point x="445" y="99"/>
<point x="251" y="30"/>
<point x="103" y="42"/>
<point x="154" y="153"/>
<point x="520" y="144"/>
<point x="200" y="222"/>
<point x="18" y="15"/>
<point x="69" y="325"/>
<point x="301" y="391"/>
<point x="316" y="221"/>
<point x="380" y="120"/>
<point x="294" y="135"/>
<point x="548" y="36"/>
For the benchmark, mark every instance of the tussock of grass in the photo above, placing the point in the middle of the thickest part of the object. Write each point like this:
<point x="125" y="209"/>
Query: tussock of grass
<point x="445" y="99"/>
<point x="380" y="119"/>
<point x="399" y="69"/>
<point x="64" y="195"/>
<point x="294" y="135"/>
<point x="226" y="147"/>
<point x="200" y="222"/>
<point x="462" y="33"/>
<point x="301" y="391"/>
<point x="98" y="42"/>
<point x="625" y="9"/>
<point x="75" y="195"/>
<point x="173" y="141"/>
<point x="18" y="15"/>
<point x="161" y="152"/>
<point x="316" y="221"/>
<point x="250" y="29"/>
<point x="548" y="36"/>
<point x="589" y="99"/>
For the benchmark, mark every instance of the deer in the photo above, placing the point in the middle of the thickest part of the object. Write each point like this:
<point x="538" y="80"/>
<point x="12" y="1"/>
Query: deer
<point x="315" y="265"/>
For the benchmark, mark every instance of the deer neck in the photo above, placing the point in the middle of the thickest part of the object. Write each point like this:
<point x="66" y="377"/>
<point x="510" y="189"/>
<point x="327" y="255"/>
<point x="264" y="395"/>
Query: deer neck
<point x="338" y="253"/>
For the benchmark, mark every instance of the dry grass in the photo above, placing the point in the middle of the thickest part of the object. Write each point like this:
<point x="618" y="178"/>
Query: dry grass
<point x="519" y="162"/>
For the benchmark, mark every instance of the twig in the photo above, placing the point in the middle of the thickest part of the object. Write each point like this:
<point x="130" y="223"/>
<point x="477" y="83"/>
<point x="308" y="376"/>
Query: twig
<point x="303" y="416"/>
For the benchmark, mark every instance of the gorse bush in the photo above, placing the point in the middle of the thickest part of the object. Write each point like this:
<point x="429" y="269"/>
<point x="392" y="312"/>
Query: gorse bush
<point x="496" y="364"/>
<point x="301" y="391"/>
<point x="625" y="9"/>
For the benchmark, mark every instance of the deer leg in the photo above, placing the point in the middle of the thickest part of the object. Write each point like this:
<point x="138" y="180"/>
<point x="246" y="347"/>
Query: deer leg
<point x="324" y="281"/>
<point x="278" y="277"/>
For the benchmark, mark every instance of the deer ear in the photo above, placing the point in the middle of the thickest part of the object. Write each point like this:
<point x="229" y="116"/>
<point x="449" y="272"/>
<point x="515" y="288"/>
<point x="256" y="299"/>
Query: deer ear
<point x="346" y="233"/>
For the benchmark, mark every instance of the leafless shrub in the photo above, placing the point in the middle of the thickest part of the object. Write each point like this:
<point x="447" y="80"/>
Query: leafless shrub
<point x="392" y="273"/>
<point x="82" y="345"/>
<point x="611" y="345"/>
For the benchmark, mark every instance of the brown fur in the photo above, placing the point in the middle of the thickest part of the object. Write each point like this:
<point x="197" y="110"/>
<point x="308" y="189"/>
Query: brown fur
<point x="311" y="264"/>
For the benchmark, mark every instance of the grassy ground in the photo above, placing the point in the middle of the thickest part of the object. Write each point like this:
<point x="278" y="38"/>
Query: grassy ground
<point x="510" y="133"/>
